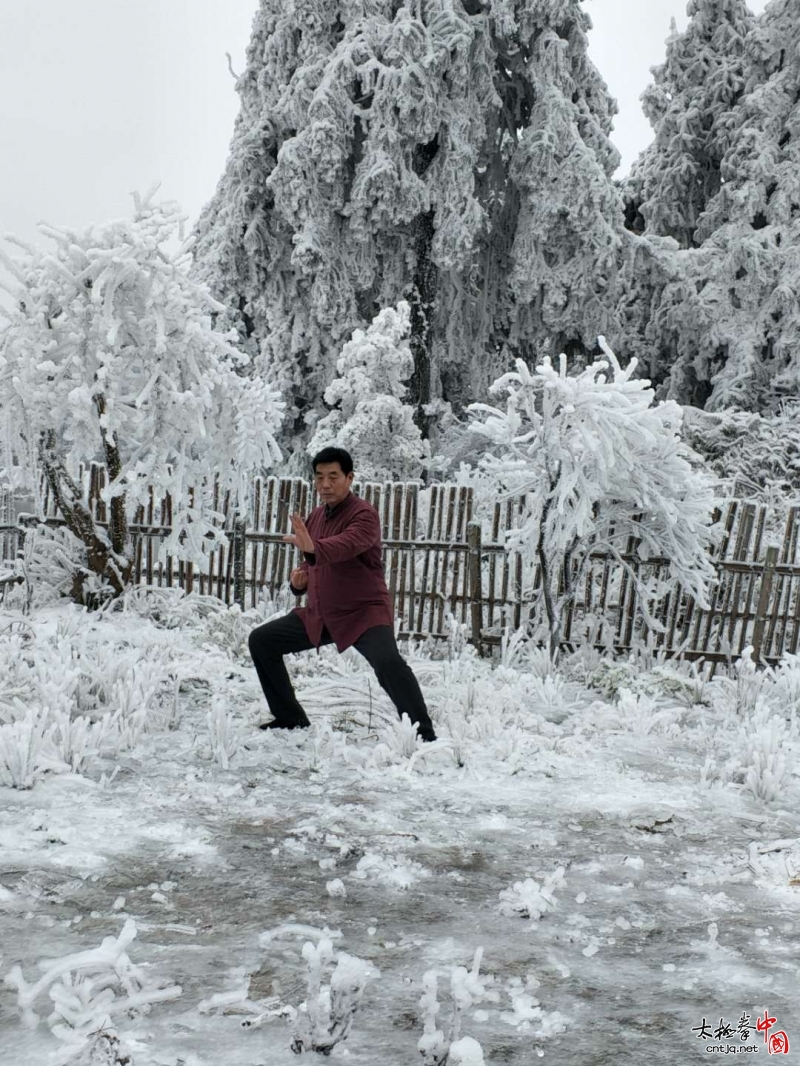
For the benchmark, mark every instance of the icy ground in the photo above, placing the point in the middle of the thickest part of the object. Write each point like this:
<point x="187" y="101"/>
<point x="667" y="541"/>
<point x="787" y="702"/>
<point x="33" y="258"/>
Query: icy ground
<point x="621" y="840"/>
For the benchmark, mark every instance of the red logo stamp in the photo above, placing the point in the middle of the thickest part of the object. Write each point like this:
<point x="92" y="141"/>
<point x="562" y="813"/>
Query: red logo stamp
<point x="777" y="1042"/>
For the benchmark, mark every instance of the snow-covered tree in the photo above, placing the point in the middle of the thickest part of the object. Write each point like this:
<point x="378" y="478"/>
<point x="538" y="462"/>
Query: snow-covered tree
<point x="369" y="417"/>
<point x="748" y="272"/>
<point x="688" y="105"/>
<point x="599" y="463"/>
<point x="454" y="154"/>
<point x="110" y="354"/>
<point x="718" y="322"/>
<point x="756" y="457"/>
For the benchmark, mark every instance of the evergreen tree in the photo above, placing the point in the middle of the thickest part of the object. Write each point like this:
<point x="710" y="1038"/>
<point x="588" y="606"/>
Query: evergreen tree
<point x="747" y="275"/>
<point x="689" y="105"/>
<point x="454" y="154"/>
<point x="711" y="301"/>
<point x="369" y="418"/>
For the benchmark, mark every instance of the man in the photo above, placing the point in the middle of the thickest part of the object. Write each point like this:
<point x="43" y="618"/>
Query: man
<point x="348" y="601"/>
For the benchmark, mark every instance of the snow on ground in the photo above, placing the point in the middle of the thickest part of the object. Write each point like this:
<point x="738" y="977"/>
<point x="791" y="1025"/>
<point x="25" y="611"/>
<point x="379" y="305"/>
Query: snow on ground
<point x="621" y="841"/>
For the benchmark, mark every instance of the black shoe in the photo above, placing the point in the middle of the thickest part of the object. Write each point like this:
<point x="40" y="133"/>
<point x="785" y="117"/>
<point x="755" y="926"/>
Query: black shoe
<point x="300" y="723"/>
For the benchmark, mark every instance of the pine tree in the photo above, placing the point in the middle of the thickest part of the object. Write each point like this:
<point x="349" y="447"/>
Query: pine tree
<point x="369" y="418"/>
<point x="688" y="105"/>
<point x="454" y="154"/>
<point x="748" y="272"/>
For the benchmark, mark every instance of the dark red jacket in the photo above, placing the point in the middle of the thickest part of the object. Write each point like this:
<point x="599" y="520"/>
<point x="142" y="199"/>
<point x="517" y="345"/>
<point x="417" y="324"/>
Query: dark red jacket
<point x="347" y="591"/>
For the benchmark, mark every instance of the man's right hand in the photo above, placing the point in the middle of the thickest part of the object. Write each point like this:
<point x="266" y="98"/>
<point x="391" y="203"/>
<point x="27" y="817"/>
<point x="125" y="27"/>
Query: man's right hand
<point x="299" y="578"/>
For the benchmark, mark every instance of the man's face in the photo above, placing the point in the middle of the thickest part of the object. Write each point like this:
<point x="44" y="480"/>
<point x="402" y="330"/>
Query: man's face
<point x="332" y="485"/>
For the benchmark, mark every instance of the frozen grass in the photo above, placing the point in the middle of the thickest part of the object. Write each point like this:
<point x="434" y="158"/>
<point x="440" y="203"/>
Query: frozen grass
<point x="584" y="826"/>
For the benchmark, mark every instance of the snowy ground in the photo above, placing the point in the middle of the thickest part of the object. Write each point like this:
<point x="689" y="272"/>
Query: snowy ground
<point x="622" y="843"/>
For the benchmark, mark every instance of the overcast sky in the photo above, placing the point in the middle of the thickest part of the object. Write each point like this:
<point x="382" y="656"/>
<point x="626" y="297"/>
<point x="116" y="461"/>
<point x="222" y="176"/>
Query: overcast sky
<point x="103" y="97"/>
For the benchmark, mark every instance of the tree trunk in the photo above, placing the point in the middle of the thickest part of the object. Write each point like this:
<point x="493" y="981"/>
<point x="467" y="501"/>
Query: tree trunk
<point x="550" y="603"/>
<point x="424" y="291"/>
<point x="118" y="526"/>
<point x="102" y="558"/>
<point x="423" y="297"/>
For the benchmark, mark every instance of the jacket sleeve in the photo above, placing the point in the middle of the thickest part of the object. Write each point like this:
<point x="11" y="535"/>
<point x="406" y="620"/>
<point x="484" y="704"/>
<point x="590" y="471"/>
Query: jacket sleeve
<point x="361" y="534"/>
<point x="302" y="566"/>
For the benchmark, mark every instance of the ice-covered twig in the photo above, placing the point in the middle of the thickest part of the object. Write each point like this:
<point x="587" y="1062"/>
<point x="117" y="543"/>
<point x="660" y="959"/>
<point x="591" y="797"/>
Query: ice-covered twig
<point x="466" y="989"/>
<point x="331" y="1008"/>
<point x="84" y="1003"/>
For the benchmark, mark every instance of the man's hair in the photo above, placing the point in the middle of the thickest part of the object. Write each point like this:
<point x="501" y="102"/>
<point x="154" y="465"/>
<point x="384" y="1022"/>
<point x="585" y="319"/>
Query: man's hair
<point x="334" y="455"/>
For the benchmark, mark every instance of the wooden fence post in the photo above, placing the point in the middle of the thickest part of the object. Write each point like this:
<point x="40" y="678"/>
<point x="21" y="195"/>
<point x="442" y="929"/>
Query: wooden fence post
<point x="475" y="584"/>
<point x="238" y="547"/>
<point x="763" y="601"/>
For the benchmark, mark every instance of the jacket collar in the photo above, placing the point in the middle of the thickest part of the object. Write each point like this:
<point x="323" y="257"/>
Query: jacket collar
<point x="331" y="511"/>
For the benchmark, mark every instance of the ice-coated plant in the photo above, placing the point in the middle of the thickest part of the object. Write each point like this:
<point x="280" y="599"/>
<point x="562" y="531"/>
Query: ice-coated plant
<point x="467" y="988"/>
<point x="110" y="350"/>
<point x="228" y="628"/>
<point x="102" y="1048"/>
<point x="599" y="463"/>
<point x="223" y="733"/>
<point x="402" y="736"/>
<point x="89" y="988"/>
<point x="77" y="741"/>
<point x="548" y="692"/>
<point x="748" y="681"/>
<point x="529" y="899"/>
<point x="786" y="689"/>
<point x="514" y="646"/>
<point x="325" y="747"/>
<point x="458" y="645"/>
<point x="766" y="736"/>
<point x="687" y="681"/>
<point x="24" y="749"/>
<point x="329" y="1008"/>
<point x="638" y="712"/>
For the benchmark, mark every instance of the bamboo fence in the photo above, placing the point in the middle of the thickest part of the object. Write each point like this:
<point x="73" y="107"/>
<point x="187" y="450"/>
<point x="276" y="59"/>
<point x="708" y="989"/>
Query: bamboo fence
<point x="443" y="565"/>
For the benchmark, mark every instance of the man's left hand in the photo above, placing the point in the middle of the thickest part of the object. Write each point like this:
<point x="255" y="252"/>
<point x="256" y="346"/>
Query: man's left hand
<point x="301" y="538"/>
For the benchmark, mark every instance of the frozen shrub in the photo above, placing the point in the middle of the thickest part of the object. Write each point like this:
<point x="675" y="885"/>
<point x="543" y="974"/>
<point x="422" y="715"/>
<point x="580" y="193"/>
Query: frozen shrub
<point x="786" y="690"/>
<point x="77" y="741"/>
<point x="23" y="750"/>
<point x="547" y="692"/>
<point x="402" y="737"/>
<point x="767" y="751"/>
<point x="743" y="690"/>
<point x="102" y="1048"/>
<point x="329" y="1008"/>
<point x="609" y="677"/>
<point x="229" y="629"/>
<point x="597" y="463"/>
<point x="638" y="713"/>
<point x="223" y="734"/>
<point x="69" y="388"/>
<point x="529" y="899"/>
<point x="89" y="988"/>
<point x="467" y="988"/>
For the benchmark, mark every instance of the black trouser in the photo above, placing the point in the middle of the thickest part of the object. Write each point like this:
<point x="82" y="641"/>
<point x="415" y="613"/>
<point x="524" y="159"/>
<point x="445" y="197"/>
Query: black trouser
<point x="270" y="642"/>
